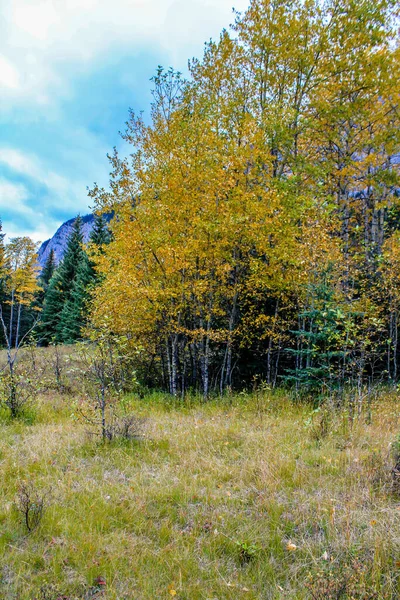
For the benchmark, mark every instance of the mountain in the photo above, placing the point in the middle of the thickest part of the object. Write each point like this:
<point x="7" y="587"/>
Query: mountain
<point x="58" y="242"/>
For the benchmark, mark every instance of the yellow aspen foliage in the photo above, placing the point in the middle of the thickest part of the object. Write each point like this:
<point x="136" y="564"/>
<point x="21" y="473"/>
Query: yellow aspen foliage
<point x="265" y="174"/>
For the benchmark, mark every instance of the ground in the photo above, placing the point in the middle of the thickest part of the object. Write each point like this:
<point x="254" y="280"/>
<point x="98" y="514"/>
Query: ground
<point x="251" y="496"/>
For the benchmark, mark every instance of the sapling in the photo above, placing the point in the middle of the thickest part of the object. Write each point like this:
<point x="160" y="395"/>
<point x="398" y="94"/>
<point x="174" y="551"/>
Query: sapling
<point x="105" y="362"/>
<point x="19" y="277"/>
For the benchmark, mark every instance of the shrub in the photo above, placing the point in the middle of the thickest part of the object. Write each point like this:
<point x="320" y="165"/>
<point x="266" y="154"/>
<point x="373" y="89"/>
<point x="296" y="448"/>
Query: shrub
<point x="30" y="504"/>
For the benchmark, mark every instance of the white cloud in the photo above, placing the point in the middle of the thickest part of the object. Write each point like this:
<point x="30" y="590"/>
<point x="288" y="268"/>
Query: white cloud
<point x="36" y="19"/>
<point x="31" y="167"/>
<point x="20" y="162"/>
<point x="12" y="195"/>
<point x="36" y="36"/>
<point x="41" y="233"/>
<point x="9" y="76"/>
<point x="64" y="193"/>
<point x="14" y="198"/>
<point x="46" y="48"/>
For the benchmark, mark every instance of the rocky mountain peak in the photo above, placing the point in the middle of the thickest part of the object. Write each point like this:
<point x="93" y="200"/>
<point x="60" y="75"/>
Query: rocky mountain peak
<point x="58" y="242"/>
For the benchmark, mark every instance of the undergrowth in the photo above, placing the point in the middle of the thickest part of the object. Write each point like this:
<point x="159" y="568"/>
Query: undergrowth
<point x="252" y="496"/>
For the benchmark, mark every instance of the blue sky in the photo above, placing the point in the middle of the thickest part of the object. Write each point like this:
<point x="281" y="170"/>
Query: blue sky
<point x="69" y="71"/>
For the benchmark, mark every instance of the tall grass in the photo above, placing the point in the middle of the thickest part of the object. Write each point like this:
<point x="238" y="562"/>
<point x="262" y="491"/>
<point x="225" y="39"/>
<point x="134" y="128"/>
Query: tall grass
<point x="251" y="496"/>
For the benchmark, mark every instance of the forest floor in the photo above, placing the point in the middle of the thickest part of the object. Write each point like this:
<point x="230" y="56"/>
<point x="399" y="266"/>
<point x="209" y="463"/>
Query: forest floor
<point x="252" y="496"/>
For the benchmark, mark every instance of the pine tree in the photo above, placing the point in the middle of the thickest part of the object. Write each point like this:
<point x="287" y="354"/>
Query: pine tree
<point x="44" y="280"/>
<point x="68" y="289"/>
<point x="74" y="314"/>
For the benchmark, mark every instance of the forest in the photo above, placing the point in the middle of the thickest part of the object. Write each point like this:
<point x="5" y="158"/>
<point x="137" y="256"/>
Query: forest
<point x="200" y="401"/>
<point x="256" y="229"/>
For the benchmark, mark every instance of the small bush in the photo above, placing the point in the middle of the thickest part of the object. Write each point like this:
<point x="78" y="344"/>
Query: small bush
<point x="30" y="504"/>
<point x="126" y="428"/>
<point x="17" y="392"/>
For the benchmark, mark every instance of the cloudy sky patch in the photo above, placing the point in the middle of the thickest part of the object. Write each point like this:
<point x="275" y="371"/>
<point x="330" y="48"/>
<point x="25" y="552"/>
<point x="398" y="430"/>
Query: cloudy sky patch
<point x="69" y="71"/>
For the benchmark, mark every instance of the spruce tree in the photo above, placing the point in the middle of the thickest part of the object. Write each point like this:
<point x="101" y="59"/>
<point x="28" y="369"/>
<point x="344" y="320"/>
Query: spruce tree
<point x="318" y="354"/>
<point x="73" y="316"/>
<point x="73" y="256"/>
<point x="68" y="291"/>
<point x="100" y="234"/>
<point x="53" y="304"/>
<point x="60" y="287"/>
<point x="44" y="280"/>
<point x="48" y="269"/>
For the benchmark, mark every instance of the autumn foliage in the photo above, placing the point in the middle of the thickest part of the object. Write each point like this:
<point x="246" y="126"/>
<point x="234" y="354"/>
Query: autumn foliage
<point x="256" y="229"/>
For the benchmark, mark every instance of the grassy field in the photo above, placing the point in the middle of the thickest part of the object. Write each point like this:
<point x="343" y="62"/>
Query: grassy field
<point x="249" y="497"/>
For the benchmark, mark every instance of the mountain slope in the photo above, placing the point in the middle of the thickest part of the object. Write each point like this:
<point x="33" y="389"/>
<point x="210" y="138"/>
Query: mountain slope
<point x="58" y="242"/>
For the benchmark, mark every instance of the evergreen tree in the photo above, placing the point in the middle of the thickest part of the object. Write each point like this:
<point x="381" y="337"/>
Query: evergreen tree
<point x="44" y="280"/>
<point x="53" y="303"/>
<point x="73" y="256"/>
<point x="73" y="316"/>
<point x="67" y="288"/>
<point x="100" y="234"/>
<point x="48" y="269"/>
<point x="319" y="342"/>
<point x="60" y="287"/>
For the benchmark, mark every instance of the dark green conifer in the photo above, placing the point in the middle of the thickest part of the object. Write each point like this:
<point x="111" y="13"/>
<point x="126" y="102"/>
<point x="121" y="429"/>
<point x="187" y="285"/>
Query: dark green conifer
<point x="48" y="269"/>
<point x="74" y="313"/>
<point x="73" y="256"/>
<point x="67" y="294"/>
<point x="53" y="304"/>
<point x="318" y="354"/>
<point x="60" y="287"/>
<point x="100" y="234"/>
<point x="44" y="280"/>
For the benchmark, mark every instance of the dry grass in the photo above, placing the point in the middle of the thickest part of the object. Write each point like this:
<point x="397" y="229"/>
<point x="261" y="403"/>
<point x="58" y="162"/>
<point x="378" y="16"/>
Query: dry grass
<point x="246" y="499"/>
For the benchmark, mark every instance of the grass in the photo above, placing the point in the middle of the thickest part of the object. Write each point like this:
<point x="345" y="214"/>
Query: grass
<point x="247" y="497"/>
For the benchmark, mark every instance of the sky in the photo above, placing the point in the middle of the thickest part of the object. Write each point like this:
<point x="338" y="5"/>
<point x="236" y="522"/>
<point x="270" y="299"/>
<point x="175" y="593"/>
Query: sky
<point x="69" y="71"/>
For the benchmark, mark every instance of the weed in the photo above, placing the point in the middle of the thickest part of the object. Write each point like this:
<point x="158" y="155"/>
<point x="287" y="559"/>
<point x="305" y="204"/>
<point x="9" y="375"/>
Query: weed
<point x="247" y="552"/>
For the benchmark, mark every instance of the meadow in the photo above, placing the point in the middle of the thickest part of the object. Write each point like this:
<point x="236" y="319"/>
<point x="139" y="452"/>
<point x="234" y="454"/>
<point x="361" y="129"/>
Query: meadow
<point x="251" y="495"/>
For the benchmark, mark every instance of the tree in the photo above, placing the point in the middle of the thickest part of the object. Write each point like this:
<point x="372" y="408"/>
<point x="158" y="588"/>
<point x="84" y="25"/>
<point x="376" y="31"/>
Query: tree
<point x="44" y="279"/>
<point x="73" y="317"/>
<point x="105" y="363"/>
<point x="100" y="234"/>
<point x="60" y="288"/>
<point x="19" y="273"/>
<point x="52" y="307"/>
<point x="320" y="341"/>
<point x="48" y="269"/>
<point x="270" y="163"/>
<point x="74" y="313"/>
